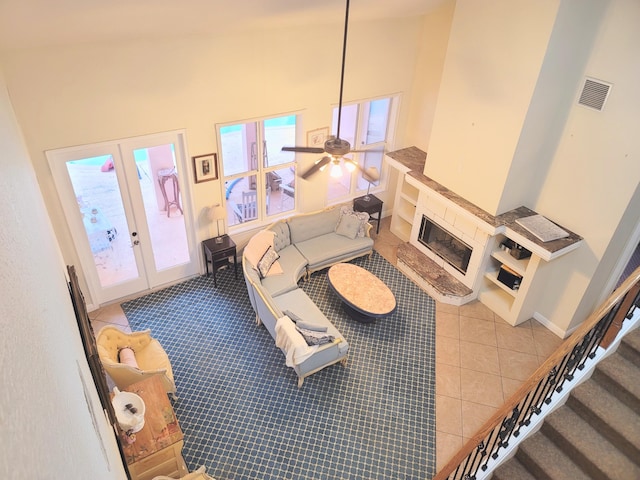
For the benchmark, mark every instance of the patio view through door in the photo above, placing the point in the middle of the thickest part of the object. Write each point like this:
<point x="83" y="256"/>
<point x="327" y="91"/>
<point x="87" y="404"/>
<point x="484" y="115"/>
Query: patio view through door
<point x="124" y="204"/>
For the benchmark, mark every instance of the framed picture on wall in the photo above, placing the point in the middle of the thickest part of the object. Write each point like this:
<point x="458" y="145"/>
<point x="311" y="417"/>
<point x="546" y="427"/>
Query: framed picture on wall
<point x="205" y="167"/>
<point x="317" y="137"/>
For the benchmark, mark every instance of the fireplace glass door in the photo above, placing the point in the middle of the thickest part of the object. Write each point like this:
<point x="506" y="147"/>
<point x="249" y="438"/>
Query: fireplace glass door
<point x="447" y="246"/>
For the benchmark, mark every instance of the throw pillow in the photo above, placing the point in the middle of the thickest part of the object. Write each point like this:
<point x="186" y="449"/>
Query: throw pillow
<point x="348" y="226"/>
<point x="258" y="245"/>
<point x="268" y="259"/>
<point x="127" y="356"/>
<point x="315" y="338"/>
<point x="363" y="218"/>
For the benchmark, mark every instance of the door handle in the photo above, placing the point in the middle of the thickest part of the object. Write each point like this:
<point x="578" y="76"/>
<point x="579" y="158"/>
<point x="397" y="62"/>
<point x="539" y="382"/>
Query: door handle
<point x="135" y="242"/>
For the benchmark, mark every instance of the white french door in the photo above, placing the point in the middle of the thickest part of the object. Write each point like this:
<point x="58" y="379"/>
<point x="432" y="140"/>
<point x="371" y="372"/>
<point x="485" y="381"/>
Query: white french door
<point x="124" y="205"/>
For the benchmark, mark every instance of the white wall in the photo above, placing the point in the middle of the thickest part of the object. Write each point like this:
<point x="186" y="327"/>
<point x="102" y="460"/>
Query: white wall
<point x="428" y="74"/>
<point x="90" y="93"/>
<point x="507" y="130"/>
<point x="593" y="179"/>
<point x="46" y="426"/>
<point x="495" y="52"/>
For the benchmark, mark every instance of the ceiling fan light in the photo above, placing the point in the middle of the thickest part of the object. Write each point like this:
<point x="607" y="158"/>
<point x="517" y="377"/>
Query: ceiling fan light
<point x="349" y="165"/>
<point x="336" y="171"/>
<point x="323" y="167"/>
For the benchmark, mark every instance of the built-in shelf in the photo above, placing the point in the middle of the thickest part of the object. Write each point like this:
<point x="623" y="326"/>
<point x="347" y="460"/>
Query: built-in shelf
<point x="404" y="209"/>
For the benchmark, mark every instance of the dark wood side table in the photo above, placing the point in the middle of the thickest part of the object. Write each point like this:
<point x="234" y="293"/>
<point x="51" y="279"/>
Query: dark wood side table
<point x="157" y="449"/>
<point x="218" y="254"/>
<point x="371" y="206"/>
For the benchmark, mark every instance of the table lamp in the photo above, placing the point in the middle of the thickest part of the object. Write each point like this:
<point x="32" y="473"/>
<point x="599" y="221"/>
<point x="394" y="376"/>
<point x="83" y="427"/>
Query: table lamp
<point x="371" y="175"/>
<point x="217" y="213"/>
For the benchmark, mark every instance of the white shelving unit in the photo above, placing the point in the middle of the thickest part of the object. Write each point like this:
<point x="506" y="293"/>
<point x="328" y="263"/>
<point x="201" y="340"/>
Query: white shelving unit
<point x="404" y="209"/>
<point x="509" y="304"/>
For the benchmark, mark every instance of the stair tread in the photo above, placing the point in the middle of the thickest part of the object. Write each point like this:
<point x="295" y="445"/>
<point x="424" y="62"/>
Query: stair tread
<point x="612" y="411"/>
<point x="621" y="371"/>
<point x="551" y="460"/>
<point x="583" y="437"/>
<point x="632" y="340"/>
<point x="512" y="470"/>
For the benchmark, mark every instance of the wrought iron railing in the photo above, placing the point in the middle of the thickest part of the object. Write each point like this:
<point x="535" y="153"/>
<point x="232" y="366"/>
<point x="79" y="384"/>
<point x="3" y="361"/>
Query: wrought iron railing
<point x="504" y="427"/>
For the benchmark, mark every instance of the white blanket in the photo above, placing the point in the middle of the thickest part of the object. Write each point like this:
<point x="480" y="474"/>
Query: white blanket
<point x="292" y="343"/>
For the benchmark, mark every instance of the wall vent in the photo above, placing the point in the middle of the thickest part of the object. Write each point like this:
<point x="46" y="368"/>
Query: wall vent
<point x="594" y="93"/>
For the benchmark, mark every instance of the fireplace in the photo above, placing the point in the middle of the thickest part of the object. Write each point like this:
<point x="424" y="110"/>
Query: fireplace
<point x="445" y="245"/>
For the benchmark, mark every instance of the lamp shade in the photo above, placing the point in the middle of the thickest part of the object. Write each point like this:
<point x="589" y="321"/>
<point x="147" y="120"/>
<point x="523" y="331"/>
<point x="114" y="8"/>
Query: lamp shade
<point x="217" y="212"/>
<point x="371" y="174"/>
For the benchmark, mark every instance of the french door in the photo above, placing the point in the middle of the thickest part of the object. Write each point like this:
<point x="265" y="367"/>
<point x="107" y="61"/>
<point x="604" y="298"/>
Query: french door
<point x="124" y="202"/>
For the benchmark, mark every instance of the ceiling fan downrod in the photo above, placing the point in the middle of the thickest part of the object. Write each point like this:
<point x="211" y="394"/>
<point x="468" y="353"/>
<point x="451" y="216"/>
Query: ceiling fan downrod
<point x="344" y="57"/>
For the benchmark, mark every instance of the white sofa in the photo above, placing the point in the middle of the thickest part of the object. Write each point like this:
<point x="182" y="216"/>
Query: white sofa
<point x="304" y="243"/>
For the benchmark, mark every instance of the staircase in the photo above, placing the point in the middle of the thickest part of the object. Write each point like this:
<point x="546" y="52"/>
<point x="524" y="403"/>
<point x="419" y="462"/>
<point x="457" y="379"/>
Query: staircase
<point x="595" y="434"/>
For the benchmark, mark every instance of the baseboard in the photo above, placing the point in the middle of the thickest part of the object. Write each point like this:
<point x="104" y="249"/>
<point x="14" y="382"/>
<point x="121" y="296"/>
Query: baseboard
<point x="550" y="325"/>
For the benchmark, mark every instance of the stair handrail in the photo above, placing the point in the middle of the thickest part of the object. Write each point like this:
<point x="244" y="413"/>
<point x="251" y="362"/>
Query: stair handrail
<point x="599" y="329"/>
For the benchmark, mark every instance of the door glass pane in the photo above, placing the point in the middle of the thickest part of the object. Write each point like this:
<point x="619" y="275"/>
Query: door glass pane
<point x="158" y="177"/>
<point x="279" y="132"/>
<point x="97" y="192"/>
<point x="239" y="148"/>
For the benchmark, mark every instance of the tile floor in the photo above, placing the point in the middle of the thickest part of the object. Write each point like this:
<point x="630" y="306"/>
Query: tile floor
<point x="480" y="359"/>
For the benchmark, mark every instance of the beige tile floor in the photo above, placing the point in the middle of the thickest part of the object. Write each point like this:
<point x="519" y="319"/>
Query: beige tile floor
<point x="480" y="359"/>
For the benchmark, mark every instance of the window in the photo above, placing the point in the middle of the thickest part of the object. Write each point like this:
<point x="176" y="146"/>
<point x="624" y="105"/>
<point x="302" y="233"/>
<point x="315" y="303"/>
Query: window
<point x="367" y="126"/>
<point x="259" y="178"/>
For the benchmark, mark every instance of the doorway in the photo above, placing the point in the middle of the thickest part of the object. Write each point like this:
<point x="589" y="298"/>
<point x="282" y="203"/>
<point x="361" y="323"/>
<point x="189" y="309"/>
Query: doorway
<point x="124" y="205"/>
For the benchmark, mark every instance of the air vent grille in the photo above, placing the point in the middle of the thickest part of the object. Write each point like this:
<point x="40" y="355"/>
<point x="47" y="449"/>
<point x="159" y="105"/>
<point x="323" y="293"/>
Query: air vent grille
<point x="594" y="94"/>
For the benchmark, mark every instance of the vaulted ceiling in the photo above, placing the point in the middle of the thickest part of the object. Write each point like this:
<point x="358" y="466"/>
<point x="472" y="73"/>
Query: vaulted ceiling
<point x="38" y="23"/>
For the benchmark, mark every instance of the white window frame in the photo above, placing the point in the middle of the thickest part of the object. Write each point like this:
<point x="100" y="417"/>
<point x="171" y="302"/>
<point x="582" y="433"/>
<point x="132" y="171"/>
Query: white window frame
<point x="260" y="172"/>
<point x="361" y="133"/>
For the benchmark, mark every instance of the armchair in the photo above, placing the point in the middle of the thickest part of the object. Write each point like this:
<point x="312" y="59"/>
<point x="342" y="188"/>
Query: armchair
<point x="150" y="357"/>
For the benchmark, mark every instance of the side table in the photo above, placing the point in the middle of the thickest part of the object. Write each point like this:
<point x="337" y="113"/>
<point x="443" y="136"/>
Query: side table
<point x="372" y="206"/>
<point x="157" y="449"/>
<point x="218" y="254"/>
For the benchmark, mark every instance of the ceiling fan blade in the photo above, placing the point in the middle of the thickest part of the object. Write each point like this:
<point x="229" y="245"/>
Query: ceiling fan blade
<point x="315" y="167"/>
<point x="303" y="149"/>
<point x="372" y="150"/>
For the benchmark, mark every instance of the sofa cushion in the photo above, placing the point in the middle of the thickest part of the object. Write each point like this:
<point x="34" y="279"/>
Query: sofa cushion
<point x="297" y="319"/>
<point x="282" y="237"/>
<point x="332" y="248"/>
<point x="293" y="266"/>
<point x="304" y="227"/>
<point x="299" y="302"/>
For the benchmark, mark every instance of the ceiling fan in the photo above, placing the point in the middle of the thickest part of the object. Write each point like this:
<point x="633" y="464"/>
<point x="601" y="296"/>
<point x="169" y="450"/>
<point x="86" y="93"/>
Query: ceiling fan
<point x="336" y="147"/>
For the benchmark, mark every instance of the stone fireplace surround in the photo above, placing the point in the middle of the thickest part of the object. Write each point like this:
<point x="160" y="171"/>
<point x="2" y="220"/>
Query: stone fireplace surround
<point x="464" y="220"/>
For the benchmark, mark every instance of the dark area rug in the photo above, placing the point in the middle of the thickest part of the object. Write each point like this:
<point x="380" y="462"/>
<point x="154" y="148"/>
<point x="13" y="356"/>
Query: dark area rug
<point x="239" y="406"/>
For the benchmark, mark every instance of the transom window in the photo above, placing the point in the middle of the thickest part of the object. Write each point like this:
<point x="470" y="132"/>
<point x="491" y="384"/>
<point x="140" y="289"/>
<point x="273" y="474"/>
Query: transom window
<point x="368" y="127"/>
<point x="259" y="178"/>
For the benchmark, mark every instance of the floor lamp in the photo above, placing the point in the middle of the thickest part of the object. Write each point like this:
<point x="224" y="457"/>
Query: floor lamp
<point x="217" y="213"/>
